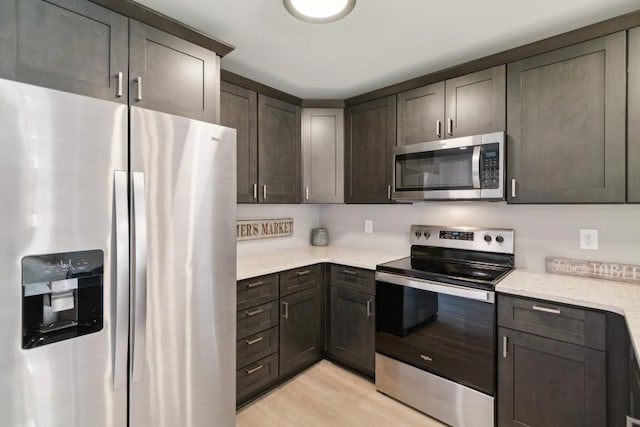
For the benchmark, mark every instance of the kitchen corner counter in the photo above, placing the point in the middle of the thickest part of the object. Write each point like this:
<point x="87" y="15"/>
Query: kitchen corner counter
<point x="617" y="297"/>
<point x="258" y="264"/>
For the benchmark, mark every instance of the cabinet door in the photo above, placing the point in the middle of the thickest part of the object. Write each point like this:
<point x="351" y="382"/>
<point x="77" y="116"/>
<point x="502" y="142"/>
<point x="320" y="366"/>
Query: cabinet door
<point x="172" y="75"/>
<point x="633" y="117"/>
<point x="239" y="110"/>
<point x="352" y="328"/>
<point x="476" y="103"/>
<point x="421" y="114"/>
<point x="70" y="45"/>
<point x="278" y="151"/>
<point x="566" y="124"/>
<point x="300" y="329"/>
<point x="323" y="155"/>
<point x="370" y="135"/>
<point x="544" y="382"/>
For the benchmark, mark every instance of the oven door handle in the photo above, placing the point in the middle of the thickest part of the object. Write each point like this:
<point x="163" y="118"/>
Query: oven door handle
<point x="475" y="166"/>
<point x="441" y="288"/>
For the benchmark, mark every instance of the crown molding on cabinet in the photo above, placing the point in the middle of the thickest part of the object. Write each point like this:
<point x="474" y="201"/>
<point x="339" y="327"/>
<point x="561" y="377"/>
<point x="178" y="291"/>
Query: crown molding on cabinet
<point x="150" y="17"/>
<point x="322" y="103"/>
<point x="610" y="26"/>
<point x="246" y="83"/>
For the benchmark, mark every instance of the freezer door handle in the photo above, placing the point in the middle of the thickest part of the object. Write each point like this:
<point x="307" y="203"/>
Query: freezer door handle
<point x="139" y="282"/>
<point x="121" y="288"/>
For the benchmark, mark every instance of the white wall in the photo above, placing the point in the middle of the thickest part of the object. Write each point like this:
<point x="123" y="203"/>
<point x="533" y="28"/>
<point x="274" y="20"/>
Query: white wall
<point x="540" y="230"/>
<point x="305" y="217"/>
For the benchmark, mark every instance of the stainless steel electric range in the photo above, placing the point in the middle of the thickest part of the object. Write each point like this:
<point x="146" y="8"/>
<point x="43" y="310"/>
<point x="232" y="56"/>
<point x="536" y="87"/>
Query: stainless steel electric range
<point x="435" y="322"/>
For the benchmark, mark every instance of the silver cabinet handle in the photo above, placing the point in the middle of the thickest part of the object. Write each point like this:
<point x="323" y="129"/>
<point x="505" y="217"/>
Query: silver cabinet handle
<point x="303" y="273"/>
<point x="438" y="128"/>
<point x="264" y="192"/>
<point x="286" y="310"/>
<point x="255" y="284"/>
<point x="254" y="341"/>
<point x="255" y="191"/>
<point x="389" y="191"/>
<point x="504" y="346"/>
<point x="254" y="312"/>
<point x="450" y="126"/>
<point x="306" y="193"/>
<point x="513" y="188"/>
<point x="121" y="223"/>
<point x="546" y="309"/>
<point x="139" y="82"/>
<point x="256" y="369"/>
<point x="426" y="358"/>
<point x="369" y="312"/>
<point x="119" y="89"/>
<point x="351" y="272"/>
<point x="632" y="422"/>
<point x="139" y="282"/>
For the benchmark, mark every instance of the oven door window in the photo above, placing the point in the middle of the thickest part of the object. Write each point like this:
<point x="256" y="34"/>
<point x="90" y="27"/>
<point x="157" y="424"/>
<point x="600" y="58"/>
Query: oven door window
<point x="449" y="169"/>
<point x="447" y="335"/>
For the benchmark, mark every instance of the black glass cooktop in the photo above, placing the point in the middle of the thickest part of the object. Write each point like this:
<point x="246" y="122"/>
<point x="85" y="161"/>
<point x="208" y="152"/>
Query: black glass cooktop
<point x="463" y="268"/>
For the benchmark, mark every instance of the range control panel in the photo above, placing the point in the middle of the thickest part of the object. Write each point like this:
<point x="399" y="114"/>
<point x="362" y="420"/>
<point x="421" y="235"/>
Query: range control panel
<point x="496" y="240"/>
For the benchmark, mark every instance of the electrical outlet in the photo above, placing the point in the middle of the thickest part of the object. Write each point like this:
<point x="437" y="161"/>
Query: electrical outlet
<point x="368" y="226"/>
<point x="588" y="239"/>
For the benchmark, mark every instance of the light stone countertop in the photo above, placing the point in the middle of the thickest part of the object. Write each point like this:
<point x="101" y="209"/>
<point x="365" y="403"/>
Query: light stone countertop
<point x="258" y="264"/>
<point x="617" y="297"/>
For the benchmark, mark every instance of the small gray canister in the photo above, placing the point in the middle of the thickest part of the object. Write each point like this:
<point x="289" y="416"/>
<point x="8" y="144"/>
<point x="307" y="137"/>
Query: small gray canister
<point x="319" y="237"/>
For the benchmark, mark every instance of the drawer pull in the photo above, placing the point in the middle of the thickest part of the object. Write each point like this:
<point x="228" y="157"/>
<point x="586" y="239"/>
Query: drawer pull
<point x="255" y="284"/>
<point x="546" y="309"/>
<point x="255" y="340"/>
<point x="303" y="273"/>
<point x="286" y="310"/>
<point x="504" y="346"/>
<point x="253" y="370"/>
<point x="426" y="358"/>
<point x="254" y="312"/>
<point x="369" y="312"/>
<point x="350" y="272"/>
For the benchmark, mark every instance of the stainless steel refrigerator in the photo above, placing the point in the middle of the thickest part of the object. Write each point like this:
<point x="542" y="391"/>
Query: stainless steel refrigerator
<point x="117" y="264"/>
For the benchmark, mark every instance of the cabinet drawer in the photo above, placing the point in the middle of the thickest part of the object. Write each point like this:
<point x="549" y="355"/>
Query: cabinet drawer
<point x="252" y="378"/>
<point x="356" y="279"/>
<point x="257" y="290"/>
<point x="299" y="279"/>
<point x="256" y="347"/>
<point x="557" y="321"/>
<point x="255" y="319"/>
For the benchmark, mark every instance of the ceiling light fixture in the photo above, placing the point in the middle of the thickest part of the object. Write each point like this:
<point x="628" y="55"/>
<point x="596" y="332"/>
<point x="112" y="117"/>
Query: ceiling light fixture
<point x="319" y="11"/>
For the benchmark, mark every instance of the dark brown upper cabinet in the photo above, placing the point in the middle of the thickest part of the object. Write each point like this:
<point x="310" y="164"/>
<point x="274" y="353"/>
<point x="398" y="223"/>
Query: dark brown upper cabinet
<point x="566" y="124"/>
<point x="279" y="158"/>
<point x="633" y="118"/>
<point x="466" y="105"/>
<point x="70" y="45"/>
<point x="370" y="135"/>
<point x="239" y="110"/>
<point x="172" y="75"/>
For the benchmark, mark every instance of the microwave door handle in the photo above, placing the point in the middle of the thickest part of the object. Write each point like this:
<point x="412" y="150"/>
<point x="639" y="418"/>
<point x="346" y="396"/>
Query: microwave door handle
<point x="475" y="166"/>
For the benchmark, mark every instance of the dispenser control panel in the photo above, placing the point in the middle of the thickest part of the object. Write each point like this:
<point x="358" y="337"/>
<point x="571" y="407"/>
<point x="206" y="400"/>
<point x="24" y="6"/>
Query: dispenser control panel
<point x="62" y="296"/>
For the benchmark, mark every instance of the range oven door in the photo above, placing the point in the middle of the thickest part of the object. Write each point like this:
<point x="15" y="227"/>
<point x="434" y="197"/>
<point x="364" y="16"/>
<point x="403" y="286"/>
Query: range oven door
<point x="444" y="329"/>
<point x="461" y="168"/>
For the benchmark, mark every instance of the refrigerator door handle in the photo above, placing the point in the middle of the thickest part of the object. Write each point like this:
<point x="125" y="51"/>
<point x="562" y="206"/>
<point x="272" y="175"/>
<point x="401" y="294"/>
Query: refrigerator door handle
<point x="121" y="223"/>
<point x="139" y="288"/>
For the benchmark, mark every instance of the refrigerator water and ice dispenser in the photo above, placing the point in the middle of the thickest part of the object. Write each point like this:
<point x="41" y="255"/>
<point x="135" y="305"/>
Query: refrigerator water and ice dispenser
<point x="61" y="296"/>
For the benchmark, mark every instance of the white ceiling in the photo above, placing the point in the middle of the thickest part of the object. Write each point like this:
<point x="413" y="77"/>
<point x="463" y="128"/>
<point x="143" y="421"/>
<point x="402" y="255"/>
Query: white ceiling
<point x="381" y="42"/>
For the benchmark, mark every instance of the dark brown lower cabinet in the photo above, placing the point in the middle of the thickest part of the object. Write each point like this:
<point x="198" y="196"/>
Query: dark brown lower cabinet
<point x="545" y="382"/>
<point x="353" y="325"/>
<point x="301" y="329"/>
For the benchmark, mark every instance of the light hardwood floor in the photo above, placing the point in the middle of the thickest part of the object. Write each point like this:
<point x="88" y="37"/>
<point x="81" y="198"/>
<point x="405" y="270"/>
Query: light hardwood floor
<point x="327" y="395"/>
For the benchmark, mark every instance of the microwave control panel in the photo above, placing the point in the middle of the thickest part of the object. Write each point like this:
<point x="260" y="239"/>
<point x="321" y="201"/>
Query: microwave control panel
<point x="490" y="166"/>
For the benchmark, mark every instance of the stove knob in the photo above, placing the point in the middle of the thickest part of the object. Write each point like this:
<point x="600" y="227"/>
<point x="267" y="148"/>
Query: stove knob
<point x="487" y="238"/>
<point x="418" y="233"/>
<point x="427" y="234"/>
<point x="499" y="239"/>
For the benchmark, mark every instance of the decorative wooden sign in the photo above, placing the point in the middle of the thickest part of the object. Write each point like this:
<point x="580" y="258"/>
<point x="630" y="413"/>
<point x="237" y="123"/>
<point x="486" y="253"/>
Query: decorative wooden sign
<point x="249" y="229"/>
<point x="599" y="270"/>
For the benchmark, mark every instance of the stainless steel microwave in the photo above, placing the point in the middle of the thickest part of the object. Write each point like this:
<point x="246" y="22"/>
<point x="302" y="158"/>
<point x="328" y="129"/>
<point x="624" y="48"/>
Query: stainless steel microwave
<point x="466" y="168"/>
